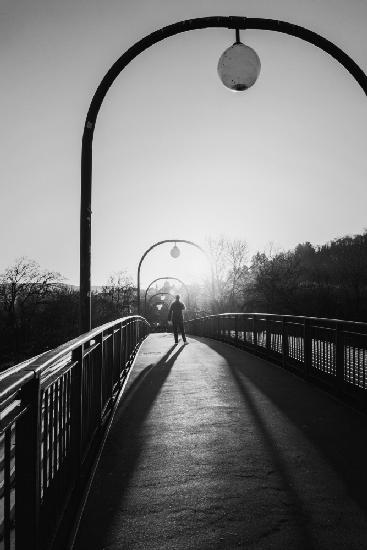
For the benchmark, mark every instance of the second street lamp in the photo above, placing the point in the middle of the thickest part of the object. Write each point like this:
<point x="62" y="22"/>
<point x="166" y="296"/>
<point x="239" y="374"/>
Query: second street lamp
<point x="175" y="252"/>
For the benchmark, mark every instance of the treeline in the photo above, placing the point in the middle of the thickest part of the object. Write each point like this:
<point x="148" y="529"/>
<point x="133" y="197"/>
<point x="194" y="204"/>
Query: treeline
<point x="38" y="311"/>
<point x="320" y="281"/>
<point x="324" y="281"/>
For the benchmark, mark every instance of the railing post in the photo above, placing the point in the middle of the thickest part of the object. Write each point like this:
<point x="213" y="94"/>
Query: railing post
<point x="121" y="356"/>
<point x="99" y="353"/>
<point x="236" y="329"/>
<point x="284" y="342"/>
<point x="126" y="345"/>
<point x="255" y="330"/>
<point x="267" y="335"/>
<point x="129" y="339"/>
<point x="28" y="468"/>
<point x="339" y="356"/>
<point x="244" y="327"/>
<point x="112" y="361"/>
<point x="76" y="420"/>
<point x="307" y="347"/>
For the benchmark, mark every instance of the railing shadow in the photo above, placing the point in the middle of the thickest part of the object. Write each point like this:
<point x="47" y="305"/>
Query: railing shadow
<point x="336" y="430"/>
<point x="124" y="444"/>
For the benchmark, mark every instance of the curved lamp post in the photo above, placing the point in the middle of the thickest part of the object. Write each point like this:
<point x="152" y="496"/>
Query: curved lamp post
<point x="174" y="253"/>
<point x="236" y="82"/>
<point x="163" y="279"/>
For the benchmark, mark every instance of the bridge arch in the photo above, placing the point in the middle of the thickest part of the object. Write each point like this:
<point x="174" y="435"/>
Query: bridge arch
<point x="230" y="22"/>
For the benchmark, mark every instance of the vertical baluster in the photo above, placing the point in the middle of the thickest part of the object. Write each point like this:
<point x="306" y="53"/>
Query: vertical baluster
<point x="45" y="440"/>
<point x="56" y="422"/>
<point x="307" y="347"/>
<point x="76" y="410"/>
<point x="27" y="467"/>
<point x="317" y="350"/>
<point x="339" y="355"/>
<point x="63" y="417"/>
<point x="331" y="356"/>
<point x="121" y="354"/>
<point x="68" y="412"/>
<point x="131" y="339"/>
<point x="267" y="335"/>
<point x="99" y="359"/>
<point x="127" y="328"/>
<point x="125" y="347"/>
<point x="51" y="435"/>
<point x="254" y="328"/>
<point x="7" y="488"/>
<point x="284" y="342"/>
<point x="60" y="419"/>
<point x="112" y="363"/>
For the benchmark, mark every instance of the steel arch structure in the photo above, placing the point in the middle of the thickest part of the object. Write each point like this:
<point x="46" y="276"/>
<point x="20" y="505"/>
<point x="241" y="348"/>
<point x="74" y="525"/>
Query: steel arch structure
<point x="230" y="22"/>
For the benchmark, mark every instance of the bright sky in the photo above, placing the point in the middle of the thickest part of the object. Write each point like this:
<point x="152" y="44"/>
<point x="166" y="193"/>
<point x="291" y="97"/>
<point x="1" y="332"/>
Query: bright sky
<point x="177" y="155"/>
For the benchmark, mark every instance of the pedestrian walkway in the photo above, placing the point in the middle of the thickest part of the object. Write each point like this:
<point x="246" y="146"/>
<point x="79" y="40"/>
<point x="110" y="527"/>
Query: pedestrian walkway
<point x="214" y="448"/>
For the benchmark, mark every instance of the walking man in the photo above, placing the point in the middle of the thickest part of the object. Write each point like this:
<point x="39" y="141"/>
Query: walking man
<point x="175" y="314"/>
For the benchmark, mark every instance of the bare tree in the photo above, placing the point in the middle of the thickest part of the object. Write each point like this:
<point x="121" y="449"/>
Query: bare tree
<point x="120" y="290"/>
<point x="229" y="260"/>
<point x="24" y="286"/>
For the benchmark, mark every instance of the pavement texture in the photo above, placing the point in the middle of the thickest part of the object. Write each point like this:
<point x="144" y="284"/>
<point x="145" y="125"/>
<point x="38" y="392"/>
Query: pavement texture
<point x="214" y="448"/>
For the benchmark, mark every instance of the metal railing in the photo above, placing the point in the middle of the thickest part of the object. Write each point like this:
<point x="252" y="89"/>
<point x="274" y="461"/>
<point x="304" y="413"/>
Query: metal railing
<point x="329" y="351"/>
<point x="53" y="412"/>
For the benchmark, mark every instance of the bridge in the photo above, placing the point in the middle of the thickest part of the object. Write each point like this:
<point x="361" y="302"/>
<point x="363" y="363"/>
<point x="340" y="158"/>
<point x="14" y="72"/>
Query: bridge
<point x="252" y="436"/>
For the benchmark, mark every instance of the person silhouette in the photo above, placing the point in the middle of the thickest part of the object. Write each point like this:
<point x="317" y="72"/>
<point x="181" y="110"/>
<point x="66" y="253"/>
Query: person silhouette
<point x="176" y="315"/>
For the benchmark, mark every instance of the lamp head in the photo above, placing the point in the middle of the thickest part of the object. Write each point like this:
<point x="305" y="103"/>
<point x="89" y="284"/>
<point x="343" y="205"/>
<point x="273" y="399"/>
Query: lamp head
<point x="239" y="67"/>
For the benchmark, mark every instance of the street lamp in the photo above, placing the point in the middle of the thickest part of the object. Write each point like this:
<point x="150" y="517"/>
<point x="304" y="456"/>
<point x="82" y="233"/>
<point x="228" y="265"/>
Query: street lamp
<point x="233" y="81"/>
<point x="239" y="66"/>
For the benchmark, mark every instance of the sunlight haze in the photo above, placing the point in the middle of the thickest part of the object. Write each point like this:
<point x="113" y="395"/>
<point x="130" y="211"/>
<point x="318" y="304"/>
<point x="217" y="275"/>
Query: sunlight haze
<point x="176" y="154"/>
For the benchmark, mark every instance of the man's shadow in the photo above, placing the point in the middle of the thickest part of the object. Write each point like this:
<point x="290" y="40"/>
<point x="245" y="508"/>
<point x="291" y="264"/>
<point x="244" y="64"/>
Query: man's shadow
<point x="124" y="445"/>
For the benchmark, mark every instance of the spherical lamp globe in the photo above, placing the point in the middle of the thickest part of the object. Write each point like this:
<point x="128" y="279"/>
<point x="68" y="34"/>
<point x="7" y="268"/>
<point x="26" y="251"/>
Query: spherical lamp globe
<point x="239" y="67"/>
<point x="175" y="252"/>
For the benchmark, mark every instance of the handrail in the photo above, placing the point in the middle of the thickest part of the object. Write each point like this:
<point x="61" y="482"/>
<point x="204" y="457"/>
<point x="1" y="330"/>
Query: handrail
<point x="274" y="315"/>
<point x="54" y="409"/>
<point x="331" y="352"/>
<point x="43" y="361"/>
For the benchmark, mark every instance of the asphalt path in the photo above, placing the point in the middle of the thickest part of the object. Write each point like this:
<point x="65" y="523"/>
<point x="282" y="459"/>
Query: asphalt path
<point x="214" y="448"/>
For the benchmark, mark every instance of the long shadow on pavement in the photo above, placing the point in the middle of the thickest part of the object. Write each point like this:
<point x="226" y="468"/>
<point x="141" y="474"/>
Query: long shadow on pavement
<point x="122" y="450"/>
<point x="335" y="429"/>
